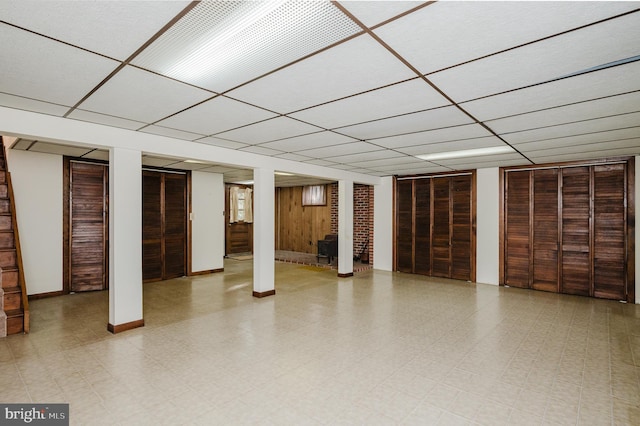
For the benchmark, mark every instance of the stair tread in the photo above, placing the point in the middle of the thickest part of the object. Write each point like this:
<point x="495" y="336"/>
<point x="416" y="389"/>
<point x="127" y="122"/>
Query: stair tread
<point x="14" y="313"/>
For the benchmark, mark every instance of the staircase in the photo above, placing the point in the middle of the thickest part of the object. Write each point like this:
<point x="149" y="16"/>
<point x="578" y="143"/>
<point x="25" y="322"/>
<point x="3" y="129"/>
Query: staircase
<point x="15" y="304"/>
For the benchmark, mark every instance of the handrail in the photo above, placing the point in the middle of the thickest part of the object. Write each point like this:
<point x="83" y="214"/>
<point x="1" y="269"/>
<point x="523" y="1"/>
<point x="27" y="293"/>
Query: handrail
<point x="16" y="240"/>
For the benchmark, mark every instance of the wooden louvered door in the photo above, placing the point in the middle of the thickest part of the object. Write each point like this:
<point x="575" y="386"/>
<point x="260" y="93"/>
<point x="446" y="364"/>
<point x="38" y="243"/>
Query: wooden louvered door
<point x="545" y="230"/>
<point x="422" y="221"/>
<point x="609" y="231"/>
<point x="164" y="225"/>
<point x="517" y="229"/>
<point x="434" y="226"/>
<point x="582" y="209"/>
<point x="88" y="228"/>
<point x="576" y="231"/>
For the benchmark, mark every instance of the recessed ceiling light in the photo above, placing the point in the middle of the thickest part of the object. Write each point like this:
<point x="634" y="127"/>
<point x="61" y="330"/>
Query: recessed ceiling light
<point x="466" y="153"/>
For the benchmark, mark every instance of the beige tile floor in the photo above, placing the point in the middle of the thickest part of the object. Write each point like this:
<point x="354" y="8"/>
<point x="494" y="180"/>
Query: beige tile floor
<point x="378" y="348"/>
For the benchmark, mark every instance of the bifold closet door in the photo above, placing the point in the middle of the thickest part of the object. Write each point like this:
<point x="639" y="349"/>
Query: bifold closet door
<point x="545" y="230"/>
<point x="404" y="226"/>
<point x="461" y="230"/>
<point x="441" y="240"/>
<point x="422" y="251"/>
<point x="88" y="229"/>
<point x="517" y="229"/>
<point x="164" y="225"/>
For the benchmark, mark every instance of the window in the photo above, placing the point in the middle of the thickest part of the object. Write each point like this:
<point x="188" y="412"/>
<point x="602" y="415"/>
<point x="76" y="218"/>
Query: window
<point x="240" y="207"/>
<point x="314" y="195"/>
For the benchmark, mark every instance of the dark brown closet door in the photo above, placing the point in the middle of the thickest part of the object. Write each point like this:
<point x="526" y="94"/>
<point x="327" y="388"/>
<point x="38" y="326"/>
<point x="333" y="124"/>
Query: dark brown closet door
<point x="151" y="226"/>
<point x="422" y="254"/>
<point x="164" y="225"/>
<point x="88" y="227"/>
<point x="175" y="232"/>
<point x="545" y="230"/>
<point x="576" y="230"/>
<point x="461" y="228"/>
<point x="609" y="231"/>
<point x="404" y="233"/>
<point x="517" y="227"/>
<point x="441" y="234"/>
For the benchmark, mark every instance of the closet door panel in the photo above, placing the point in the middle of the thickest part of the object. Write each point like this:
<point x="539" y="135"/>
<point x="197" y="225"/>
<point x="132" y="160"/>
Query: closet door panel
<point x="461" y="229"/>
<point x="151" y="226"/>
<point x="545" y="230"/>
<point x="422" y="254"/>
<point x="576" y="234"/>
<point x="441" y="228"/>
<point x="517" y="238"/>
<point x="175" y="232"/>
<point x="609" y="232"/>
<point x="404" y="226"/>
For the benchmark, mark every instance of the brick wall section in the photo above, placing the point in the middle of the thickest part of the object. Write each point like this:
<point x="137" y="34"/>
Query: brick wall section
<point x="362" y="217"/>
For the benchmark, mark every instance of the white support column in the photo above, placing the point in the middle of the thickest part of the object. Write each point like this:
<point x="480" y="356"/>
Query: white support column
<point x="383" y="224"/>
<point x="125" y="240"/>
<point x="263" y="232"/>
<point x="345" y="228"/>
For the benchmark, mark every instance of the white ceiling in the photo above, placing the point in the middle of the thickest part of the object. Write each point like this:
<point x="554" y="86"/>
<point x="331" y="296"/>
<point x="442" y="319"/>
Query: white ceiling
<point x="354" y="85"/>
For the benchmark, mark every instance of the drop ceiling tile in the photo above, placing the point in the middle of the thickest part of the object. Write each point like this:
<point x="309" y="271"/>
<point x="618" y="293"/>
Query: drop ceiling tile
<point x="352" y="67"/>
<point x="218" y="169"/>
<point x="571" y="113"/>
<point x="371" y="13"/>
<point x="221" y="44"/>
<point x="42" y="69"/>
<point x="338" y="150"/>
<point x="22" y="144"/>
<point x="548" y="157"/>
<point x="381" y="154"/>
<point x="97" y="154"/>
<point x="482" y="159"/>
<point x="564" y="130"/>
<point x="402" y="98"/>
<point x="481" y="164"/>
<point x="148" y="160"/>
<point x="539" y="62"/>
<point x="467" y="131"/>
<point x="269" y="130"/>
<point x="293" y="157"/>
<point x="404" y="161"/>
<point x="416" y="122"/>
<point x="171" y="133"/>
<point x="632" y="144"/>
<point x="183" y="165"/>
<point x="223" y="143"/>
<point x="313" y="140"/>
<point x="610" y="81"/>
<point x="320" y="162"/>
<point x="51" y="148"/>
<point x="456" y="145"/>
<point x="425" y="169"/>
<point x="468" y="30"/>
<point x="216" y="116"/>
<point x="112" y="28"/>
<point x="139" y="95"/>
<point x="33" y="105"/>
<point x="574" y="141"/>
<point x="108" y="120"/>
<point x="261" y="150"/>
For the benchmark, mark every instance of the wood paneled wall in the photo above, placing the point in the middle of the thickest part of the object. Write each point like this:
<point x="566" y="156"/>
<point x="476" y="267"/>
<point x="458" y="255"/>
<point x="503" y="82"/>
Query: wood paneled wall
<point x="299" y="228"/>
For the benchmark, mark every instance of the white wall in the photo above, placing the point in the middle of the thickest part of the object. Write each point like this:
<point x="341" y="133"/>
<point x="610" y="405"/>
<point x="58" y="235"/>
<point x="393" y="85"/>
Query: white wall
<point x="37" y="186"/>
<point x="637" y="193"/>
<point x="207" y="221"/>
<point x="488" y="226"/>
<point x="383" y="224"/>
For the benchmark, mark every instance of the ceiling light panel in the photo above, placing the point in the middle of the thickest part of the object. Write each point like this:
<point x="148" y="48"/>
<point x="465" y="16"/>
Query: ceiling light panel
<point x="578" y="112"/>
<point x="417" y="122"/>
<point x="468" y="30"/>
<point x="595" y="125"/>
<point x="610" y="81"/>
<point x="371" y="13"/>
<point x="27" y="104"/>
<point x="352" y="67"/>
<point x="171" y="133"/>
<point x="410" y="96"/>
<point x="270" y="130"/>
<point x="314" y="140"/>
<point x="490" y="163"/>
<point x="467" y="131"/>
<point x="42" y="69"/>
<point x="221" y="44"/>
<point x="112" y="28"/>
<point x="107" y="120"/>
<point x="139" y="95"/>
<point x="216" y="116"/>
<point x="539" y="62"/>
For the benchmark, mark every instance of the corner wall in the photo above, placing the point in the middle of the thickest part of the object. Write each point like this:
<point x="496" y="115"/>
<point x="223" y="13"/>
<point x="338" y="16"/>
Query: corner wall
<point x="207" y="221"/>
<point x="488" y="226"/>
<point x="37" y="186"/>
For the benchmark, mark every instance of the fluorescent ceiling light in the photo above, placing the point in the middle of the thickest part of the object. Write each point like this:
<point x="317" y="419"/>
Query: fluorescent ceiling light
<point x="195" y="162"/>
<point x="466" y="153"/>
<point x="284" y="174"/>
<point x="244" y="182"/>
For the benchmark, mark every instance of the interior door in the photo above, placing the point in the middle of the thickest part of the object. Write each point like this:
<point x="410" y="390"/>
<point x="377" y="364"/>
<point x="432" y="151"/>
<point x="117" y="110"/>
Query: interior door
<point x="545" y="230"/>
<point x="151" y="226"/>
<point x="175" y="222"/>
<point x="441" y="227"/>
<point x="517" y="237"/>
<point x="461" y="243"/>
<point x="422" y="254"/>
<point x="238" y="235"/>
<point x="88" y="228"/>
